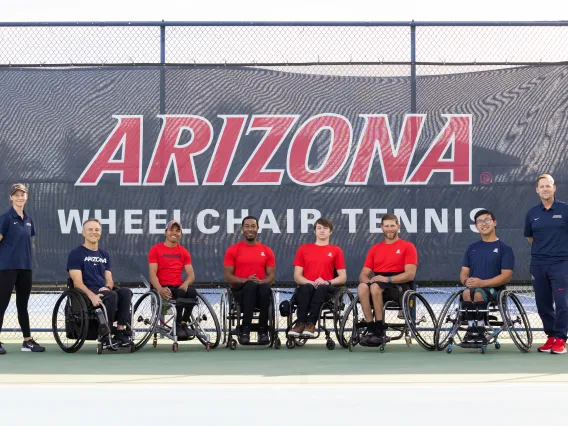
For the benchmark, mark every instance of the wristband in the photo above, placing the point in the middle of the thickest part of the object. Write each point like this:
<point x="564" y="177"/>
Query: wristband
<point x="389" y="279"/>
<point x="329" y="282"/>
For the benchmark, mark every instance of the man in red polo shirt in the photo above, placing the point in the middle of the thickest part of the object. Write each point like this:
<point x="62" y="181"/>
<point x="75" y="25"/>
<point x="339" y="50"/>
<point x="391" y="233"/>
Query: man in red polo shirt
<point x="314" y="272"/>
<point x="393" y="262"/>
<point x="250" y="268"/>
<point x="167" y="261"/>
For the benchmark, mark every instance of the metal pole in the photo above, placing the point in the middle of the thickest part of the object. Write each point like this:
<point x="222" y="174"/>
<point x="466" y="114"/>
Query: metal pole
<point x="162" y="69"/>
<point x="413" y="68"/>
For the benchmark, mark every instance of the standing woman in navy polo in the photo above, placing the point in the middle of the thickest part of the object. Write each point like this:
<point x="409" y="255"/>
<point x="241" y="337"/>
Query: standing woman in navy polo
<point x="546" y="227"/>
<point x="16" y="232"/>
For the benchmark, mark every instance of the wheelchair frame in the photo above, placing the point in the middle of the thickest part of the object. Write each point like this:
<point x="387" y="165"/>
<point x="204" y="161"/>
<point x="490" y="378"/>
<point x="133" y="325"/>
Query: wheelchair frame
<point x="85" y="316"/>
<point x="231" y="315"/>
<point x="493" y="327"/>
<point x="329" y="310"/>
<point x="408" y="329"/>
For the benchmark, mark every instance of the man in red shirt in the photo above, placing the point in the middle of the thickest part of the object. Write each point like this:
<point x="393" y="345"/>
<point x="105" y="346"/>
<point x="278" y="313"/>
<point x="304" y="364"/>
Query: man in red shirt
<point x="394" y="262"/>
<point x="314" y="272"/>
<point x="250" y="268"/>
<point x="167" y="261"/>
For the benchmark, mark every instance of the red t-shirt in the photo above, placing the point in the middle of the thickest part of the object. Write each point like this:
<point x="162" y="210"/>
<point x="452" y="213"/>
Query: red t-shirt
<point x="385" y="257"/>
<point x="171" y="261"/>
<point x="248" y="260"/>
<point x="319" y="261"/>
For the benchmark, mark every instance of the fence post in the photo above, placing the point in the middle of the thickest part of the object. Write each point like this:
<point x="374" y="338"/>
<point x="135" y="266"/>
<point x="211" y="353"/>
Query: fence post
<point x="413" y="67"/>
<point x="162" y="69"/>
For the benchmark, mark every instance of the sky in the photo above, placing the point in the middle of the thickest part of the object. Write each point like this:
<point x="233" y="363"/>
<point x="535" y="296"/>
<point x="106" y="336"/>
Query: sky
<point x="288" y="10"/>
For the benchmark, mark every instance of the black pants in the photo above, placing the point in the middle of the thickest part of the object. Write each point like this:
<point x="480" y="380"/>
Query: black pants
<point x="21" y="279"/>
<point x="183" y="314"/>
<point x="117" y="302"/>
<point x="310" y="299"/>
<point x="250" y="296"/>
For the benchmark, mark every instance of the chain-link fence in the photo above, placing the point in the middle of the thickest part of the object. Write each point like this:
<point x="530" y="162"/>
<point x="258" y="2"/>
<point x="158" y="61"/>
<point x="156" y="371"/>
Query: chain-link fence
<point x="413" y="56"/>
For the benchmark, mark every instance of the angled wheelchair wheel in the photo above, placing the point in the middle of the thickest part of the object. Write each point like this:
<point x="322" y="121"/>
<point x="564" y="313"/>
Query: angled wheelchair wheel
<point x="145" y="316"/>
<point x="223" y="312"/>
<point x="348" y="332"/>
<point x="515" y="319"/>
<point x="205" y="322"/>
<point x="421" y="319"/>
<point x="341" y="301"/>
<point x="70" y="321"/>
<point x="448" y="322"/>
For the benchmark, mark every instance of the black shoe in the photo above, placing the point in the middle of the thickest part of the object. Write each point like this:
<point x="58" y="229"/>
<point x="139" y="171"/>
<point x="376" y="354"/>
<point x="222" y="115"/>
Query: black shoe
<point x="122" y="338"/>
<point x="2" y="350"/>
<point x="32" y="346"/>
<point x="481" y="335"/>
<point x="180" y="332"/>
<point x="189" y="332"/>
<point x="263" y="338"/>
<point x="470" y="335"/>
<point x="244" y="337"/>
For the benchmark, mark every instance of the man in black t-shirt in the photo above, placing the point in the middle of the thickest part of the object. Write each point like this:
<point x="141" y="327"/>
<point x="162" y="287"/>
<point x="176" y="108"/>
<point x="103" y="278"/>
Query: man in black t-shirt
<point x="90" y="269"/>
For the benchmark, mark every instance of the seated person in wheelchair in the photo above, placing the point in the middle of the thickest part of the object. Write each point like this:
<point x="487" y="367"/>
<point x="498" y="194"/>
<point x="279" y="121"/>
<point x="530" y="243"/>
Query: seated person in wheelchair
<point x="394" y="262"/>
<point x="250" y="267"/>
<point x="90" y="269"/>
<point x="487" y="265"/>
<point x="167" y="261"/>
<point x="314" y="272"/>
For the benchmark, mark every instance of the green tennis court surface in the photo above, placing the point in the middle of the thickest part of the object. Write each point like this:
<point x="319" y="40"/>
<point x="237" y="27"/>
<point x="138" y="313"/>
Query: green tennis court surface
<point x="311" y="364"/>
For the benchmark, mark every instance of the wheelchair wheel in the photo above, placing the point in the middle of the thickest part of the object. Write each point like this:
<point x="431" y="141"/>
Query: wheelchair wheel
<point x="516" y="320"/>
<point x="448" y="322"/>
<point x="70" y="321"/>
<point x="205" y="322"/>
<point x="272" y="326"/>
<point x="341" y="301"/>
<point x="145" y="318"/>
<point x="223" y="312"/>
<point x="420" y="317"/>
<point x="348" y="332"/>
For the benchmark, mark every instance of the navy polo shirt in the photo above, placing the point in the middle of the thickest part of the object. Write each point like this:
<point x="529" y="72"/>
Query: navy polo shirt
<point x="486" y="260"/>
<point x="16" y="244"/>
<point x="92" y="265"/>
<point x="549" y="229"/>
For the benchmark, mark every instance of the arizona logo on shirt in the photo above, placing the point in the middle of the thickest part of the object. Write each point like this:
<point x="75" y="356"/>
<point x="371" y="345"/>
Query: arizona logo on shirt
<point x="397" y="251"/>
<point x="262" y="253"/>
<point x="496" y="250"/>
<point x="329" y="254"/>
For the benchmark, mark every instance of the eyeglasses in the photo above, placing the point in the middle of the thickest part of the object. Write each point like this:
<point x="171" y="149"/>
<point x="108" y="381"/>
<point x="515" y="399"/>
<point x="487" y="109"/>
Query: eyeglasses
<point x="481" y="222"/>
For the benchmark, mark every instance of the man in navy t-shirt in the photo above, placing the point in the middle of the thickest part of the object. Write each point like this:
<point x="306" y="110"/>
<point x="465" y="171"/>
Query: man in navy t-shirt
<point x="487" y="264"/>
<point x="90" y="270"/>
<point x="546" y="228"/>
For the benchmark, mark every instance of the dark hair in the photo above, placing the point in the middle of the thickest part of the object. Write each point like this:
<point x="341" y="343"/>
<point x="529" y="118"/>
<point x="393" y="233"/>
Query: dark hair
<point x="389" y="216"/>
<point x="324" y="222"/>
<point x="92" y="219"/>
<point x="249" y="217"/>
<point x="481" y="213"/>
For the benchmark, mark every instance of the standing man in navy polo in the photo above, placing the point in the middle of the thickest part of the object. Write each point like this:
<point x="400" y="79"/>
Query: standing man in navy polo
<point x="546" y="228"/>
<point x="16" y="232"/>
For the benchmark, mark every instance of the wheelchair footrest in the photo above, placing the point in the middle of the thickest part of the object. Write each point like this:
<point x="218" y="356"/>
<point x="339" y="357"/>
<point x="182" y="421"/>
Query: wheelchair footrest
<point x="184" y="302"/>
<point x="472" y="345"/>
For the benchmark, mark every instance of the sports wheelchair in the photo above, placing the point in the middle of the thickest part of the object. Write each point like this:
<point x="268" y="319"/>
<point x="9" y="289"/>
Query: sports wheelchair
<point x="331" y="310"/>
<point x="76" y="320"/>
<point x="503" y="312"/>
<point x="417" y="320"/>
<point x="231" y="317"/>
<point x="208" y="334"/>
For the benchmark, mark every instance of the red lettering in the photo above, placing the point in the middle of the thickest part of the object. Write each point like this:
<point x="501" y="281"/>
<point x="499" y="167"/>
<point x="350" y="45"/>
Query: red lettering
<point x="167" y="149"/>
<point x="127" y="137"/>
<point x="337" y="153"/>
<point x="376" y="136"/>
<point x="225" y="149"/>
<point x="254" y="171"/>
<point x="456" y="135"/>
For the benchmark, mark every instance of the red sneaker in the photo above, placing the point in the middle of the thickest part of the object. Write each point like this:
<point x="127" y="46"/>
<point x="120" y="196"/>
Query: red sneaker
<point x="548" y="345"/>
<point x="559" y="347"/>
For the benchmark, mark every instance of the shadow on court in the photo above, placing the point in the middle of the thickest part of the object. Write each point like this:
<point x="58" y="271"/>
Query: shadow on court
<point x="312" y="359"/>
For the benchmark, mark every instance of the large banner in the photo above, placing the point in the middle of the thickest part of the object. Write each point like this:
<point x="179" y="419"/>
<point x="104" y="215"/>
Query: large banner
<point x="285" y="147"/>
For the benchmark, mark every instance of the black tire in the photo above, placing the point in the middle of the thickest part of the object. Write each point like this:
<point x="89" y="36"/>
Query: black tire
<point x="145" y="318"/>
<point x="205" y="309"/>
<point x="70" y="321"/>
<point x="348" y="329"/>
<point x="424" y="326"/>
<point x="341" y="300"/>
<point x="223" y="313"/>
<point x="448" y="322"/>
<point x="272" y="326"/>
<point x="515" y="319"/>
